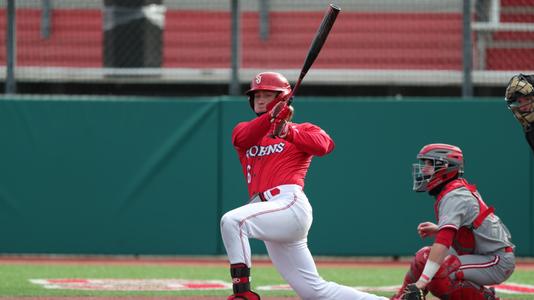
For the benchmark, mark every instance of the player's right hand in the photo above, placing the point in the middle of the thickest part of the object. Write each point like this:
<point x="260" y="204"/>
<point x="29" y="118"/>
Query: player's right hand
<point x="281" y="111"/>
<point x="426" y="229"/>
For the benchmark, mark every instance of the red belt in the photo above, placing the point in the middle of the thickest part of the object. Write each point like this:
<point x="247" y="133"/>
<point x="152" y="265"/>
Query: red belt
<point x="508" y="249"/>
<point x="272" y="192"/>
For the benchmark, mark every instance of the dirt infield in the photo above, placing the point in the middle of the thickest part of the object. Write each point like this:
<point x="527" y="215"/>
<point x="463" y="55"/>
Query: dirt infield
<point x="521" y="263"/>
<point x="187" y="261"/>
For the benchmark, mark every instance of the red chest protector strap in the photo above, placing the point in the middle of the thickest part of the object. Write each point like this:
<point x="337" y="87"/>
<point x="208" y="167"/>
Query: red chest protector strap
<point x="458" y="183"/>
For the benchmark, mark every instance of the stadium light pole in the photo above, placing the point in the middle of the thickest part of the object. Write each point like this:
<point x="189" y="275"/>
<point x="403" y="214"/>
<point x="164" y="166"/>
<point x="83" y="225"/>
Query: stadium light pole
<point x="467" y="82"/>
<point x="236" y="49"/>
<point x="10" y="85"/>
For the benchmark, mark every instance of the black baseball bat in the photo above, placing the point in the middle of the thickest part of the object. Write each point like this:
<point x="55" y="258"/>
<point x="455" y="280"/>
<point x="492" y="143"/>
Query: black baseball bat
<point x="317" y="44"/>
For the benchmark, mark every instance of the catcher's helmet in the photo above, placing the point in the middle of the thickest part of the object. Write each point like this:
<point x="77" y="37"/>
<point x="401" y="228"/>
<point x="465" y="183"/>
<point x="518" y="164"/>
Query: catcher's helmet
<point x="437" y="164"/>
<point x="520" y="98"/>
<point x="269" y="81"/>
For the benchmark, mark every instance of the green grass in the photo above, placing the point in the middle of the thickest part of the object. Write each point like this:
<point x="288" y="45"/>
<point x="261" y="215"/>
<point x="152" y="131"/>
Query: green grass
<point x="14" y="278"/>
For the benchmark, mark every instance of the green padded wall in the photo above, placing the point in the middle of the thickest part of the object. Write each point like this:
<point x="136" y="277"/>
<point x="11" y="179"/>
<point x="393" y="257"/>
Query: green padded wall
<point x="113" y="175"/>
<point x="109" y="176"/>
<point x="362" y="192"/>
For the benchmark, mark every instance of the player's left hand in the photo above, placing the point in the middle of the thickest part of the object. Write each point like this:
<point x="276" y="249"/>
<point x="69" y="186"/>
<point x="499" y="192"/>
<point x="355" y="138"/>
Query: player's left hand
<point x="412" y="292"/>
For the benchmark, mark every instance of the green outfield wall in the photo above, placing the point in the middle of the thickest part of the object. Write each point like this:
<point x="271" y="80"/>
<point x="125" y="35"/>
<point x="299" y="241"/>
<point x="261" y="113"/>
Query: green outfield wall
<point x="153" y="176"/>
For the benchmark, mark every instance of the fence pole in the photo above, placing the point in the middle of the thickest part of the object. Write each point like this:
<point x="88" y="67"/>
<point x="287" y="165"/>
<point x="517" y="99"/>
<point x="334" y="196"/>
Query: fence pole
<point x="264" y="20"/>
<point x="46" y="18"/>
<point x="467" y="84"/>
<point x="236" y="49"/>
<point x="10" y="87"/>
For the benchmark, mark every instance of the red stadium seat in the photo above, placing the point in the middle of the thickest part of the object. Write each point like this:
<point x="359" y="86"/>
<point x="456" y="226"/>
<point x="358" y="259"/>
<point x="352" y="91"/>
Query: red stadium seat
<point x="201" y="39"/>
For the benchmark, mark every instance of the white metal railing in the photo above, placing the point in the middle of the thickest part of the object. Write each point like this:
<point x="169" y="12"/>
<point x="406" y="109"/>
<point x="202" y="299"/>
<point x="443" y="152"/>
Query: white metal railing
<point x="494" y="24"/>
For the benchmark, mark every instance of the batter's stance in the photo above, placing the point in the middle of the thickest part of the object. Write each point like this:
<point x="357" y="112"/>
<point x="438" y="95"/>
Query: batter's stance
<point x="483" y="252"/>
<point x="278" y="212"/>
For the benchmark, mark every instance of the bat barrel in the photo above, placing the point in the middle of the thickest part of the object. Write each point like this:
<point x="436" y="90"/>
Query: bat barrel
<point x="318" y="41"/>
<point x="320" y="37"/>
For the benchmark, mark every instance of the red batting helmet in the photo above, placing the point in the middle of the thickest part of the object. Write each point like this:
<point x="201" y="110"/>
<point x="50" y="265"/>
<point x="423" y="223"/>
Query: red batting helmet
<point x="269" y="81"/>
<point x="437" y="164"/>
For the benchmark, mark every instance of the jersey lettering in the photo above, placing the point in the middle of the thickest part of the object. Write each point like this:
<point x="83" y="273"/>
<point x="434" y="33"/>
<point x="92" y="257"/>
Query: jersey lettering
<point x="257" y="151"/>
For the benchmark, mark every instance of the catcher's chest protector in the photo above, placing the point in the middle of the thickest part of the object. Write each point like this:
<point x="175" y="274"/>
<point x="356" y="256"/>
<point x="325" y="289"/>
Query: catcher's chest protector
<point x="464" y="240"/>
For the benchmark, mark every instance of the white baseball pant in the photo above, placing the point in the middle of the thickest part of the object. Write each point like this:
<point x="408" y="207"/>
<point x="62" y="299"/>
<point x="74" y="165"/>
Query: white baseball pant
<point x="282" y="222"/>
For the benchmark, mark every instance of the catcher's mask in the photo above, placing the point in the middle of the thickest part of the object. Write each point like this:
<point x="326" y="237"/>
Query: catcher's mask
<point x="437" y="164"/>
<point x="269" y="81"/>
<point x="520" y="98"/>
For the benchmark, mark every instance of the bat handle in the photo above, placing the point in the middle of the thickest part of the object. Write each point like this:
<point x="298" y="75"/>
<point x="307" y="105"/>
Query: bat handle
<point x="290" y="97"/>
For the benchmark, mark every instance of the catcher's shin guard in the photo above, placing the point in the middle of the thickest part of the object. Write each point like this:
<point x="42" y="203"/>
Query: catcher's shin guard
<point x="469" y="291"/>
<point x="416" y="268"/>
<point x="447" y="278"/>
<point x="241" y="283"/>
<point x="449" y="283"/>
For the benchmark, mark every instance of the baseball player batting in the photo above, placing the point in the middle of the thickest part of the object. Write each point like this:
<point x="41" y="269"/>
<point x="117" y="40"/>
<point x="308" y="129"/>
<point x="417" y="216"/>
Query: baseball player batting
<point x="482" y="252"/>
<point x="274" y="166"/>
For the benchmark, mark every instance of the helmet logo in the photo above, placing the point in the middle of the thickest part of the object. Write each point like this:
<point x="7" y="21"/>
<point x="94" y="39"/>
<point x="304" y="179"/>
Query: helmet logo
<point x="258" y="79"/>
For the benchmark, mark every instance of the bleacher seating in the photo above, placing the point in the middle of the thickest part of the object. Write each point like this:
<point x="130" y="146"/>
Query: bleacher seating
<point x="518" y="53"/>
<point x="201" y="39"/>
<point x="196" y="39"/>
<point x="75" y="39"/>
<point x="361" y="41"/>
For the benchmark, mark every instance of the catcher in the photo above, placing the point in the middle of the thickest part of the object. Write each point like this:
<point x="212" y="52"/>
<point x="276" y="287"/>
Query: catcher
<point x="482" y="252"/>
<point x="520" y="100"/>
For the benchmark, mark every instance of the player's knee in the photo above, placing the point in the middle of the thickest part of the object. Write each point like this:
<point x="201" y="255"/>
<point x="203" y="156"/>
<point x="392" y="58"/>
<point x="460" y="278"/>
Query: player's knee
<point x="228" y="221"/>
<point x="420" y="259"/>
<point x="421" y="256"/>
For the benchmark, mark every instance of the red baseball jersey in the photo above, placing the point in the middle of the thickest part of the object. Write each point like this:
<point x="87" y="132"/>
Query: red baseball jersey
<point x="268" y="162"/>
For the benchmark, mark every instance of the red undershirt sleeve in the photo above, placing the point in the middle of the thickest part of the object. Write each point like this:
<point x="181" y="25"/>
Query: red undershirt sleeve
<point x="445" y="236"/>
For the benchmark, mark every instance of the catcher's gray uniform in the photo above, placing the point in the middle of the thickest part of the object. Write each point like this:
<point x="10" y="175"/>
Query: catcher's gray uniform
<point x="492" y="259"/>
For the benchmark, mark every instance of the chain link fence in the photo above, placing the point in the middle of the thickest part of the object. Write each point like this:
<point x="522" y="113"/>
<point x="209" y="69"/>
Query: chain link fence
<point x="401" y="42"/>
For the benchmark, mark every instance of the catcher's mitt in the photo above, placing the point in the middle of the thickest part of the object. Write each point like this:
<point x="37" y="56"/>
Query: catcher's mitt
<point x="412" y="292"/>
